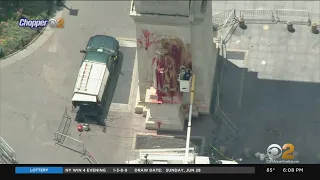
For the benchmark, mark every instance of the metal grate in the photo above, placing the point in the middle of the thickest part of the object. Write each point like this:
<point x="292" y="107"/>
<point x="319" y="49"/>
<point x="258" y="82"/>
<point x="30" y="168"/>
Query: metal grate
<point x="263" y="16"/>
<point x="236" y="55"/>
<point x="294" y="16"/>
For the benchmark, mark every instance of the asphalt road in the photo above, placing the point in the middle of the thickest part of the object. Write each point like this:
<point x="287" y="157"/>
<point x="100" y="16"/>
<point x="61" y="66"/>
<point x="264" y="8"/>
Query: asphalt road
<point x="35" y="90"/>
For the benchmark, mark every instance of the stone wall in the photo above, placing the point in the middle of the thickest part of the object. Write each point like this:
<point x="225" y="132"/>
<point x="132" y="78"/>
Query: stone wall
<point x="163" y="7"/>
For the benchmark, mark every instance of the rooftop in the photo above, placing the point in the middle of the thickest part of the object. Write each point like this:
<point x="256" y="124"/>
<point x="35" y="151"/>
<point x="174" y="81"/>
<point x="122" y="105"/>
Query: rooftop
<point x="274" y="97"/>
<point x="270" y="85"/>
<point x="276" y="54"/>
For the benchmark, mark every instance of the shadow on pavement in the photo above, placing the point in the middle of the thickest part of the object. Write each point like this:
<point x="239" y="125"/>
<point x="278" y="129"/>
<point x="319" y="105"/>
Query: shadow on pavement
<point x="72" y="12"/>
<point x="107" y="98"/>
<point x="122" y="91"/>
<point x="269" y="111"/>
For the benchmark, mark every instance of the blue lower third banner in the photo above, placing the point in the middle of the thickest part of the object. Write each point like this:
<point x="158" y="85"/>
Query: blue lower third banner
<point x="39" y="170"/>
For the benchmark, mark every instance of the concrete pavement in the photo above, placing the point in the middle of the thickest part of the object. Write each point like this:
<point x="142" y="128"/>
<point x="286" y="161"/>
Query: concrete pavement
<point x="280" y="106"/>
<point x="36" y="89"/>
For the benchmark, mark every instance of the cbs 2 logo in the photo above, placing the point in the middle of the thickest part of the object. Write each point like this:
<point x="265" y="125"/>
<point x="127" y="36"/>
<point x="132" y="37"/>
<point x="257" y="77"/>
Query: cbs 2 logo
<point x="56" y="23"/>
<point x="285" y="152"/>
<point x="60" y="23"/>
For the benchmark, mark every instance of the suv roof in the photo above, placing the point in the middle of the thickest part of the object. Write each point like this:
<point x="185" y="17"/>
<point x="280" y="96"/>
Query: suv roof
<point x="106" y="42"/>
<point x="94" y="56"/>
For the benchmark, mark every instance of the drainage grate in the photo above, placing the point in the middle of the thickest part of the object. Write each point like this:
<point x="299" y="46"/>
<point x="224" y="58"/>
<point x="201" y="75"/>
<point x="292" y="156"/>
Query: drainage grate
<point x="162" y="142"/>
<point x="236" y="55"/>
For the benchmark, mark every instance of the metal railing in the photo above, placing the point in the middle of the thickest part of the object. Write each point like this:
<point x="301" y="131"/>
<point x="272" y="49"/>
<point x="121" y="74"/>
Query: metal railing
<point x="7" y="154"/>
<point x="294" y="16"/>
<point x="61" y="138"/>
<point x="314" y="17"/>
<point x="90" y="157"/>
<point x="221" y="116"/>
<point x="263" y="16"/>
<point x="64" y="123"/>
<point x="230" y="21"/>
<point x="75" y="145"/>
<point x="70" y="142"/>
<point x="224" y="19"/>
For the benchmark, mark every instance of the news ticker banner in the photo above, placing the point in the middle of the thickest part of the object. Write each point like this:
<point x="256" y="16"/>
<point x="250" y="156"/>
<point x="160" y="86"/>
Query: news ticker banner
<point x="134" y="170"/>
<point x="164" y="170"/>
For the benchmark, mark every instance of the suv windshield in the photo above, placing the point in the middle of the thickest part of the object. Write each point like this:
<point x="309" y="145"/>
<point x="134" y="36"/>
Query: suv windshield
<point x="101" y="49"/>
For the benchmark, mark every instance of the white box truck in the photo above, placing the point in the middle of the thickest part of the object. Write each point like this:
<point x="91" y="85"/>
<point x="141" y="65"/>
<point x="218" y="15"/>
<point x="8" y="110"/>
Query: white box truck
<point x="98" y="65"/>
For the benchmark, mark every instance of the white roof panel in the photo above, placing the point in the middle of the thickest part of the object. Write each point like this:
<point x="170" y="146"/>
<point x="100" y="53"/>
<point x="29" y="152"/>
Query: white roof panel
<point x="84" y="97"/>
<point x="90" y="78"/>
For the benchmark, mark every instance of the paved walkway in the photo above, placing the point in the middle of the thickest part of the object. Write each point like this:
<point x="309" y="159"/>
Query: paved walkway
<point x="36" y="89"/>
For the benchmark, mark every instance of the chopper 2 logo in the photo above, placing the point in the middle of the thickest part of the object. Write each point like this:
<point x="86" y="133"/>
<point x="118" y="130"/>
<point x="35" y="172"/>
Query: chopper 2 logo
<point x="53" y="23"/>
<point x="56" y="23"/>
<point x="286" y="152"/>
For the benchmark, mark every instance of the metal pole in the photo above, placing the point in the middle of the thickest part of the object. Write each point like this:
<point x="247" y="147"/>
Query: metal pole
<point x="189" y="119"/>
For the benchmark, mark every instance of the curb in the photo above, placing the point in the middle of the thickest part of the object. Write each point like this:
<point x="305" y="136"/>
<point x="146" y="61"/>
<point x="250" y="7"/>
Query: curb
<point x="34" y="45"/>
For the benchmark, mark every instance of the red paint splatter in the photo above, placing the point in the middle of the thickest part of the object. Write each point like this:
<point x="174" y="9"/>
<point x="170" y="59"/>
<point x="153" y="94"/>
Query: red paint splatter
<point x="146" y="33"/>
<point x="146" y="40"/>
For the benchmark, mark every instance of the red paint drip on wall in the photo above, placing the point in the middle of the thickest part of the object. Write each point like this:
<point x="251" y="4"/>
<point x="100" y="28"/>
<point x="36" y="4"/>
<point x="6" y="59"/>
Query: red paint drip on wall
<point x="146" y="40"/>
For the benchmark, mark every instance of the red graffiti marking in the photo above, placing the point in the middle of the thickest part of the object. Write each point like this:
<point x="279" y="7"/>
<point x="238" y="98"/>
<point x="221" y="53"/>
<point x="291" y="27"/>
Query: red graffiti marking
<point x="147" y="39"/>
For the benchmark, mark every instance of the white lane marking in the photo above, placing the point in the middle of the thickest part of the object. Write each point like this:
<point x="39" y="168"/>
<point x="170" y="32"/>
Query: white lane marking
<point x="127" y="42"/>
<point x="118" y="107"/>
<point x="53" y="44"/>
<point x="134" y="83"/>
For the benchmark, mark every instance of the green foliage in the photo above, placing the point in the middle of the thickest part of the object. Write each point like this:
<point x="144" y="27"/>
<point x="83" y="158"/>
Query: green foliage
<point x="13" y="37"/>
